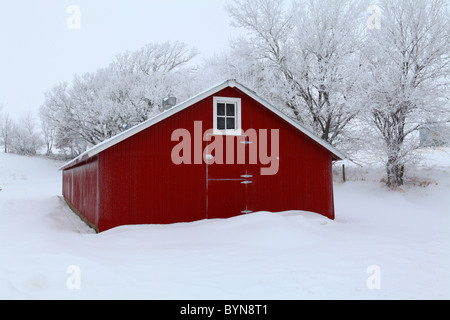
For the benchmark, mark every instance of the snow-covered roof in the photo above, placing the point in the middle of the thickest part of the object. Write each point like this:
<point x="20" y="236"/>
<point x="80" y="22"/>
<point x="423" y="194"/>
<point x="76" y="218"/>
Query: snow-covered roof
<point x="189" y="102"/>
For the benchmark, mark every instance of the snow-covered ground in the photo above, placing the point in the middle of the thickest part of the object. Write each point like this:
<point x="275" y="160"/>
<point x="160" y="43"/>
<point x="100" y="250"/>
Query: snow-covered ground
<point x="383" y="245"/>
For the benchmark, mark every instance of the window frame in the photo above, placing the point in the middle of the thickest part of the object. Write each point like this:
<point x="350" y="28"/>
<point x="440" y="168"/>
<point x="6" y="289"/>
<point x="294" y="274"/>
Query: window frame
<point x="237" y="131"/>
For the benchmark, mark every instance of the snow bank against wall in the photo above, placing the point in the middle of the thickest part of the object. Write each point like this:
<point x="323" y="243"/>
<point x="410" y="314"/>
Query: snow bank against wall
<point x="383" y="245"/>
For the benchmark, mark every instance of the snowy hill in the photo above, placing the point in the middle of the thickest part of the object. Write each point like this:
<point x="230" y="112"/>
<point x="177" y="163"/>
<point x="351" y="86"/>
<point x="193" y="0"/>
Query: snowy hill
<point x="383" y="245"/>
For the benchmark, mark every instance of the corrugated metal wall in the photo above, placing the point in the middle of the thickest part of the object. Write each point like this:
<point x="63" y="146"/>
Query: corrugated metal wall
<point x="80" y="189"/>
<point x="304" y="177"/>
<point x="139" y="183"/>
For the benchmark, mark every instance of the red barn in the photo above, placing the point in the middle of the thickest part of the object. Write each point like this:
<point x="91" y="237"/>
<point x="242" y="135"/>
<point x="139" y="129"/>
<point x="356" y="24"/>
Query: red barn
<point x="222" y="153"/>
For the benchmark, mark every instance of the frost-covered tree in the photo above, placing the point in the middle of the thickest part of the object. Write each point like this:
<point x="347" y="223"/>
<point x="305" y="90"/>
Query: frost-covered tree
<point x="59" y="112"/>
<point x="101" y="104"/>
<point x="6" y="128"/>
<point x="20" y="137"/>
<point x="311" y="50"/>
<point x="239" y="62"/>
<point x="407" y="83"/>
<point x="48" y="131"/>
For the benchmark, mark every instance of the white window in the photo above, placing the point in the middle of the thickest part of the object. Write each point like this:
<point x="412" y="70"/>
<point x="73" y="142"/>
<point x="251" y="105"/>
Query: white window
<point x="227" y="116"/>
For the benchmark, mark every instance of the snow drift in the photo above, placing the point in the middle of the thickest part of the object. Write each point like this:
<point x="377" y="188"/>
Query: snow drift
<point x="287" y="255"/>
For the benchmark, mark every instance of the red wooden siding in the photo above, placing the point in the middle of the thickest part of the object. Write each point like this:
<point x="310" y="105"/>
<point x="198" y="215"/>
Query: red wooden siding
<point x="80" y="187"/>
<point x="141" y="184"/>
<point x="136" y="182"/>
<point x="304" y="178"/>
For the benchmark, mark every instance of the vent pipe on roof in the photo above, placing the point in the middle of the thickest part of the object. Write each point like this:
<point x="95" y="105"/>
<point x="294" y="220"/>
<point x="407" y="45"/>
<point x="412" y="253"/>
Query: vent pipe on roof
<point x="168" y="103"/>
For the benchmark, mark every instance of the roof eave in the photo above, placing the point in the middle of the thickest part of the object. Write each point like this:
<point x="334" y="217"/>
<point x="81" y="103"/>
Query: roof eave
<point x="144" y="125"/>
<point x="337" y="155"/>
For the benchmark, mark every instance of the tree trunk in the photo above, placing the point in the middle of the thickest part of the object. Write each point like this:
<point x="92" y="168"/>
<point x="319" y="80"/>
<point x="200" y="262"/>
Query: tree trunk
<point x="395" y="171"/>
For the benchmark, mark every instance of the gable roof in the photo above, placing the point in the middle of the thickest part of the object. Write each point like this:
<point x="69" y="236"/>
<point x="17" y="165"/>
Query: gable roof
<point x="189" y="102"/>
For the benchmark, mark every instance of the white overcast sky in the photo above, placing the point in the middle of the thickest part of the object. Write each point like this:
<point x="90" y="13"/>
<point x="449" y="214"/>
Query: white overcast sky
<point x="38" y="50"/>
